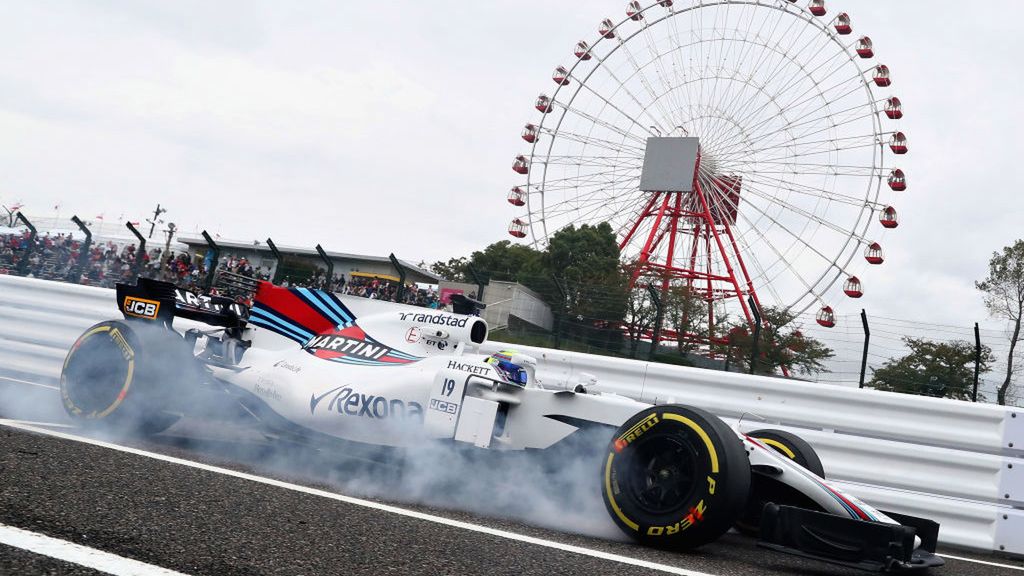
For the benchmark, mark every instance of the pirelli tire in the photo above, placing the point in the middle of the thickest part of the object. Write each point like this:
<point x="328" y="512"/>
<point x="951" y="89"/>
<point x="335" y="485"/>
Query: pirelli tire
<point x="765" y="489"/>
<point x="122" y="376"/>
<point x="675" y="477"/>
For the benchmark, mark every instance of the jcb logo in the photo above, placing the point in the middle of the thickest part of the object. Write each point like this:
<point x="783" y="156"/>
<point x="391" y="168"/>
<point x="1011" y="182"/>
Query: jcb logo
<point x="141" y="307"/>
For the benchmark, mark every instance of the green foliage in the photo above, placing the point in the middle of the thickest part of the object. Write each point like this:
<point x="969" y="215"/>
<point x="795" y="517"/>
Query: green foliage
<point x="1004" y="298"/>
<point x="781" y="345"/>
<point x="941" y="369"/>
<point x="455" y="269"/>
<point x="500" y="261"/>
<point x="686" y="312"/>
<point x="639" y="318"/>
<point x="578" y="276"/>
<point x="585" y="262"/>
<point x="503" y="260"/>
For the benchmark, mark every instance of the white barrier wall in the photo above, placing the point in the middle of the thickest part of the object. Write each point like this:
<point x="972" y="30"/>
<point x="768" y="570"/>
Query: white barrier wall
<point x="947" y="460"/>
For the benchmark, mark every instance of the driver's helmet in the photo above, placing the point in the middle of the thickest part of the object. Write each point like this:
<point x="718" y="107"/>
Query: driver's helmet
<point x="505" y="365"/>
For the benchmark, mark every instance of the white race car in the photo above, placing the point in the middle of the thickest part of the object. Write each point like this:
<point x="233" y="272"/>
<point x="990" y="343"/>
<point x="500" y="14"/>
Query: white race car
<point x="300" y="362"/>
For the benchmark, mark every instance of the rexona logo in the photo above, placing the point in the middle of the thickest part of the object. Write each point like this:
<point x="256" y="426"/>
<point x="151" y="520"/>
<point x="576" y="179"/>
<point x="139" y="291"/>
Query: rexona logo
<point x="141" y="308"/>
<point x="435" y="319"/>
<point x="353" y="346"/>
<point x="347" y="402"/>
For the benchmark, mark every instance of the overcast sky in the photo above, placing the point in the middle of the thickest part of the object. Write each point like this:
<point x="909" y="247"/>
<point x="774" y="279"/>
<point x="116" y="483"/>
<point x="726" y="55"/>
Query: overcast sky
<point x="373" y="127"/>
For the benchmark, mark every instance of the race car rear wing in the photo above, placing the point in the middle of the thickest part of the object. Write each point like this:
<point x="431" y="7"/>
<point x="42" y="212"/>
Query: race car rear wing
<point x="158" y="301"/>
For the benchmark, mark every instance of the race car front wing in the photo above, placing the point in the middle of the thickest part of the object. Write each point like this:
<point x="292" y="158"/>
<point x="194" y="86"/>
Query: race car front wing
<point x="872" y="546"/>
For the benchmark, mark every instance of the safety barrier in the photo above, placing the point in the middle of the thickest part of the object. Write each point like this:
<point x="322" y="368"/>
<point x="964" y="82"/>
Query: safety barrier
<point x="947" y="460"/>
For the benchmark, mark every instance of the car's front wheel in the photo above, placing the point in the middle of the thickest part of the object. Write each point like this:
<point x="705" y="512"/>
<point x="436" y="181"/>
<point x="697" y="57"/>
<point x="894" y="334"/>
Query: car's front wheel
<point x="765" y="488"/>
<point x="675" y="477"/>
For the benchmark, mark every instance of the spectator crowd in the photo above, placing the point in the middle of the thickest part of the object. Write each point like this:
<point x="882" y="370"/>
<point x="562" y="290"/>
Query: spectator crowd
<point x="58" y="257"/>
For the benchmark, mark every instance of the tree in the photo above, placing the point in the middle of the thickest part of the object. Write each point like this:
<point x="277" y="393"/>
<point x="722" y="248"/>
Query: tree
<point x="585" y="261"/>
<point x="782" y="346"/>
<point x="501" y="260"/>
<point x="455" y="269"/>
<point x="940" y="369"/>
<point x="639" y="318"/>
<point x="1004" y="298"/>
<point x="686" y="313"/>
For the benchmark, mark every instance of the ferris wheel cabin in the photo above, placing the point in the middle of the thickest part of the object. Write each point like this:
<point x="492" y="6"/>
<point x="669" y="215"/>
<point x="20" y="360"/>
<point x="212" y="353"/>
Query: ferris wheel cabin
<point x="881" y="76"/>
<point x="517" y="197"/>
<point x="898" y="143"/>
<point x="582" y="50"/>
<point x="826" y="317"/>
<point x="865" y="48"/>
<point x="521" y="165"/>
<point x="894" y="108"/>
<point x="530" y="132"/>
<point x="888" y="218"/>
<point x="853" y="287"/>
<point x="897" y="180"/>
<point x="517" y="228"/>
<point x="560" y="76"/>
<point x="843" y="24"/>
<point x="873" y="253"/>
<point x="607" y="28"/>
<point x="817" y="7"/>
<point x="543" y="104"/>
<point x="634" y="11"/>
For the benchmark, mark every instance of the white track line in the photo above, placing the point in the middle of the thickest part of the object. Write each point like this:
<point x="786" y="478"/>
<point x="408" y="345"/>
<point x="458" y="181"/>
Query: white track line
<point x="30" y="383"/>
<point x="77" y="554"/>
<point x="984" y="562"/>
<point x="33" y="423"/>
<point x="366" y="503"/>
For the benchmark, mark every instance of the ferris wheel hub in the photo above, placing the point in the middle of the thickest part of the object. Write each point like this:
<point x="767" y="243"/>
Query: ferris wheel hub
<point x="670" y="164"/>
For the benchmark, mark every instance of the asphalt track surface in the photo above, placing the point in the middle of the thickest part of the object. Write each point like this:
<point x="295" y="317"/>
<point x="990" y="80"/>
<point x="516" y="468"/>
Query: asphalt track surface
<point x="201" y="499"/>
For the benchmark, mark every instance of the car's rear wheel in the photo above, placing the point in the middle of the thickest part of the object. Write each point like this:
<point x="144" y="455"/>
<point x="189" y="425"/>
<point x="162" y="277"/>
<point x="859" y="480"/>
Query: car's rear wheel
<point x="124" y="376"/>
<point x="675" y="477"/>
<point x="765" y="489"/>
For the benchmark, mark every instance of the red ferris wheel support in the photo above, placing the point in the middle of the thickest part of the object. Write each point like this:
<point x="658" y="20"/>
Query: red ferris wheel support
<point x="698" y="213"/>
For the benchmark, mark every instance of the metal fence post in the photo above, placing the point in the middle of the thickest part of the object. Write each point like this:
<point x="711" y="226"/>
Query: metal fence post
<point x="757" y="333"/>
<point x="140" y="253"/>
<point x="27" y="252"/>
<point x="401" y="276"/>
<point x="75" y="274"/>
<point x="328" y="263"/>
<point x="864" y="355"/>
<point x="480" y="284"/>
<point x="278" y="264"/>
<point x="208" y="283"/>
<point x="977" y="361"/>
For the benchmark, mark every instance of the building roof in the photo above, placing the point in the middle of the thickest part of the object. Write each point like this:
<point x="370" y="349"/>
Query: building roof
<point x="263" y="248"/>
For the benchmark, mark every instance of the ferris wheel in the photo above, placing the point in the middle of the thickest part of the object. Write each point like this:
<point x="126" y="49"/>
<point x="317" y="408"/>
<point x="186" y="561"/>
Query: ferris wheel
<point x="743" y="148"/>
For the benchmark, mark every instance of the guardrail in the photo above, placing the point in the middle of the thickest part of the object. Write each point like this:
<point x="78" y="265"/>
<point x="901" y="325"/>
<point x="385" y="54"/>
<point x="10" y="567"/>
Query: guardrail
<point x="956" y="462"/>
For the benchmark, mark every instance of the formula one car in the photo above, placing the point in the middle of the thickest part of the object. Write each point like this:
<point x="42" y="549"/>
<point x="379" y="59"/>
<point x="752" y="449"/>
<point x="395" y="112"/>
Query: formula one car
<point x="300" y="361"/>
